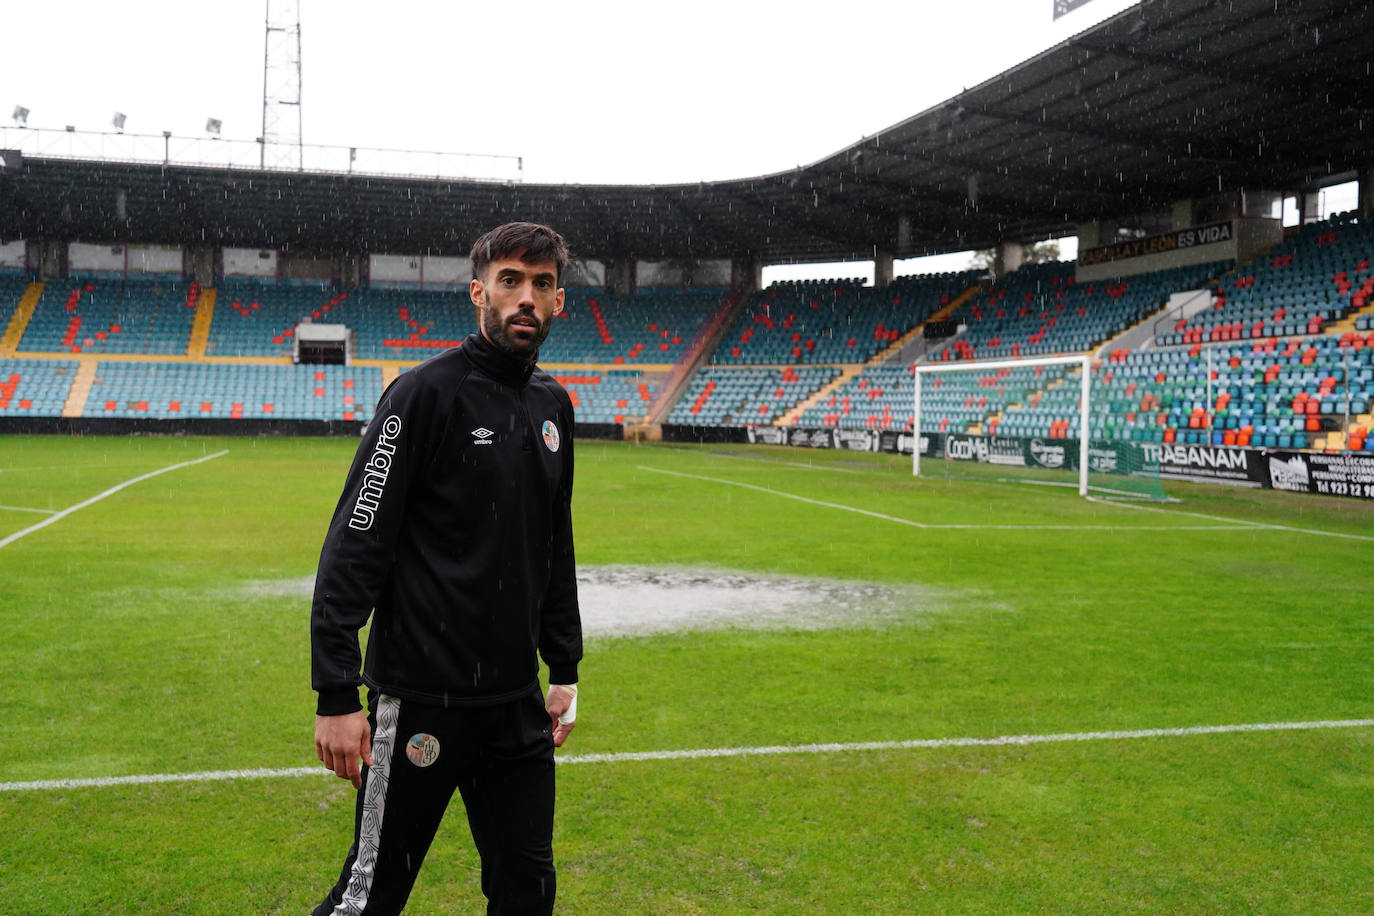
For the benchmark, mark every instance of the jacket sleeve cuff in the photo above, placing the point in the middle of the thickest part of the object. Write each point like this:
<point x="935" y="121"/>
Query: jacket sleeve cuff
<point x="563" y="674"/>
<point x="337" y="701"/>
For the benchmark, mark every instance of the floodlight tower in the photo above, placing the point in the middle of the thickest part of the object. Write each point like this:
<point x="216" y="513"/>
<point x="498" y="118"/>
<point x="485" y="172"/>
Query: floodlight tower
<point x="281" y="87"/>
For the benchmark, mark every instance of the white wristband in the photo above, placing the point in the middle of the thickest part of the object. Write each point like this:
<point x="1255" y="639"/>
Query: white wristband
<point x="569" y="716"/>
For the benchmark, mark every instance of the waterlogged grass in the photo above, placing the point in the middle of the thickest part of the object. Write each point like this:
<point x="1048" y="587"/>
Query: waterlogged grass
<point x="146" y="633"/>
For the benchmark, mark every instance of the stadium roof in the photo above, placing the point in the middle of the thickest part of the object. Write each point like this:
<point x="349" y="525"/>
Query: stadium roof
<point x="1173" y="99"/>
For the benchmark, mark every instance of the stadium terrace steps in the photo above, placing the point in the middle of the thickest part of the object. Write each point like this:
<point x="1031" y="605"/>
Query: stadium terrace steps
<point x="23" y="313"/>
<point x="912" y="345"/>
<point x="389" y="374"/>
<point x="746" y="396"/>
<point x="671" y="388"/>
<point x="200" y="325"/>
<point x="793" y="416"/>
<point x="833" y="322"/>
<point x="1359" y="319"/>
<point x="81" y="388"/>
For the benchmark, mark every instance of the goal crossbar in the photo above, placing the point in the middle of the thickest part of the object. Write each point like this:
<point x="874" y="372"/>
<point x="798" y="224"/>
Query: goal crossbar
<point x="1081" y="360"/>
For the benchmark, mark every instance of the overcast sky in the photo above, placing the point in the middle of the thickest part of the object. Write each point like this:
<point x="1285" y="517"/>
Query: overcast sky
<point x="609" y="91"/>
<point x="594" y="92"/>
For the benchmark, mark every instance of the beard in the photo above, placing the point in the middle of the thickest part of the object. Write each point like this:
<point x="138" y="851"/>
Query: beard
<point x="500" y="334"/>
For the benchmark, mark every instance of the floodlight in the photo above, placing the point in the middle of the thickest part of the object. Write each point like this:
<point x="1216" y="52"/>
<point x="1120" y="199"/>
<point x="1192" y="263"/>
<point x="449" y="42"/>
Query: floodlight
<point x="118" y="121"/>
<point x="212" y="126"/>
<point x="21" y="115"/>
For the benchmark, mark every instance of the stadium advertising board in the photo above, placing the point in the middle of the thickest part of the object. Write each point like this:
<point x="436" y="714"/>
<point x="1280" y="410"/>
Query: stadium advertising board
<point x="857" y="440"/>
<point x="892" y="441"/>
<point x="1207" y="463"/>
<point x="1329" y="475"/>
<point x="901" y="443"/>
<point x="1103" y="457"/>
<point x="1210" y="234"/>
<point x="767" y="435"/>
<point x="811" y="438"/>
<point x="1299" y="472"/>
<point x="673" y="432"/>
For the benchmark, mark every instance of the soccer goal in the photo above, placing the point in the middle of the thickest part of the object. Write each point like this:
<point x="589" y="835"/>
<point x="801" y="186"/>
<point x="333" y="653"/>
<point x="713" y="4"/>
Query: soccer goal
<point x="1030" y="421"/>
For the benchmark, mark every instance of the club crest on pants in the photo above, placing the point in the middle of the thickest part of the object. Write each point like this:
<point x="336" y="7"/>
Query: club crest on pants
<point x="422" y="749"/>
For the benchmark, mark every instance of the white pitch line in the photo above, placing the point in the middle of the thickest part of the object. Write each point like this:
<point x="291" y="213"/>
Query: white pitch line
<point x="719" y="752"/>
<point x="1237" y="521"/>
<point x="771" y="492"/>
<point x="1232" y="526"/>
<point x="58" y="516"/>
<point x="28" y="509"/>
<point x="1000" y="741"/>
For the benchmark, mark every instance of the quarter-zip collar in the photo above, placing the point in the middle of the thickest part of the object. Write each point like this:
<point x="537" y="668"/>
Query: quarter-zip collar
<point x="497" y="363"/>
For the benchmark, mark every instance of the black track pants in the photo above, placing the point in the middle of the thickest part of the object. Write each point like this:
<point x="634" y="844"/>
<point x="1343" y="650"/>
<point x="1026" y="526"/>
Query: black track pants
<point x="500" y="758"/>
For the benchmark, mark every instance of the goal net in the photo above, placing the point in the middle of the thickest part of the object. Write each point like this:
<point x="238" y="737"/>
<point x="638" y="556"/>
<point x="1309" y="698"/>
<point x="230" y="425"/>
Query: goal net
<point x="1023" y="420"/>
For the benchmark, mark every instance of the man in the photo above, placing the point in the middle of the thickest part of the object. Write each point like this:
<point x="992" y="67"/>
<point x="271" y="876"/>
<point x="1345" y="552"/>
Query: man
<point x="454" y="525"/>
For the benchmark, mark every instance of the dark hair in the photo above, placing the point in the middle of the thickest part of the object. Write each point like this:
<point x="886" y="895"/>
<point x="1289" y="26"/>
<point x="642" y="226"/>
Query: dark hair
<point x="531" y="241"/>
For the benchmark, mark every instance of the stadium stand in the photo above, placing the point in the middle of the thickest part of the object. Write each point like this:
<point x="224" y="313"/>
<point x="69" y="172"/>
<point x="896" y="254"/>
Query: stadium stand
<point x="881" y="398"/>
<point x="788" y="343"/>
<point x="137" y="315"/>
<point x="1275" y="393"/>
<point x="35" y="387"/>
<point x="173" y="390"/>
<point x="1040" y="310"/>
<point x="617" y="396"/>
<point x="653" y="326"/>
<point x="835" y="321"/>
<point x="754" y="396"/>
<point x="254" y="318"/>
<point x="12" y="286"/>
<point x="1317" y="276"/>
<point x="257" y="319"/>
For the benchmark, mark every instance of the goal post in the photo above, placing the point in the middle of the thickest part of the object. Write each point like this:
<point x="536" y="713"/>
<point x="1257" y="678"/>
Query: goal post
<point x="982" y="368"/>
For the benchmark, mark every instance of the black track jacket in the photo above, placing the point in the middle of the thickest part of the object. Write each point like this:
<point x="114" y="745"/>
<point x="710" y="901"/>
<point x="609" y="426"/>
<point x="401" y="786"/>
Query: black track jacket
<point x="454" y="525"/>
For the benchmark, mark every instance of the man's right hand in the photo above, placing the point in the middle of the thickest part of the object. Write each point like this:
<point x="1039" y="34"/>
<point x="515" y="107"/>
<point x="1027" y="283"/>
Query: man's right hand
<point x="340" y="741"/>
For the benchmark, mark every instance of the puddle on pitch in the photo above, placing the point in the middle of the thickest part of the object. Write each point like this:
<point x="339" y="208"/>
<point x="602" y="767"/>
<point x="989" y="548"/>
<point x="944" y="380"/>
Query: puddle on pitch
<point x="641" y="600"/>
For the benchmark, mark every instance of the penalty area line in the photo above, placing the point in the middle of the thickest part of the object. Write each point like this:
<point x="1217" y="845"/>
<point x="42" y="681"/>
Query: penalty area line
<point x="1253" y="525"/>
<point x="717" y="752"/>
<point x="58" y="516"/>
<point x="937" y="526"/>
<point x="785" y="495"/>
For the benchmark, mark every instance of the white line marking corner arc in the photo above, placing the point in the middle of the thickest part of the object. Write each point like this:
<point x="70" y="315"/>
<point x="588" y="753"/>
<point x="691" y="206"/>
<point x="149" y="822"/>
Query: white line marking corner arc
<point x="58" y="516"/>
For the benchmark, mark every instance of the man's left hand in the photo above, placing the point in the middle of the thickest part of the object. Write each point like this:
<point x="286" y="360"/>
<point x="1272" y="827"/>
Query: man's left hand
<point x="561" y="702"/>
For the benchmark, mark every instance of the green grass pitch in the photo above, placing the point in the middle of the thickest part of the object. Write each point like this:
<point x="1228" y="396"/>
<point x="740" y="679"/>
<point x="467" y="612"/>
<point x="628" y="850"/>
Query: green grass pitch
<point x="146" y="634"/>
